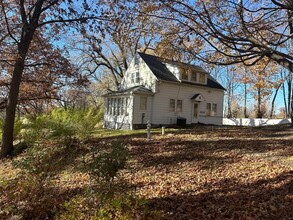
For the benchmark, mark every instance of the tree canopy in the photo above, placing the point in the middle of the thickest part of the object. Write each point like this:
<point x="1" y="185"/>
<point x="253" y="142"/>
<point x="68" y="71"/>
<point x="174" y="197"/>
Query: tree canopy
<point x="229" y="32"/>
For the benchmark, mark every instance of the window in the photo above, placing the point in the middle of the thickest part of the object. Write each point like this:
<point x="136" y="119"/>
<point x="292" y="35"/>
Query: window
<point x="114" y="106"/>
<point x="214" y="109"/>
<point x="193" y="76"/>
<point x="179" y="106"/>
<point x="126" y="105"/>
<point x="175" y="103"/>
<point x="119" y="106"/>
<point x="108" y="105"/>
<point x="132" y="77"/>
<point x="184" y="74"/>
<point x="202" y="78"/>
<point x="122" y="106"/>
<point x="143" y="103"/>
<point x="111" y="106"/>
<point x="137" y="77"/>
<point x="172" y="105"/>
<point x="211" y="109"/>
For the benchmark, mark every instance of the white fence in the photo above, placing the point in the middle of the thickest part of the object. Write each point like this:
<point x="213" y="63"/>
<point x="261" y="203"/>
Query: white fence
<point x="255" y="121"/>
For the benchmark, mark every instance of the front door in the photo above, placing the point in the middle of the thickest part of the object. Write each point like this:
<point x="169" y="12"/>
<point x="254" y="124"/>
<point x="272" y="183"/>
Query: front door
<point x="195" y="112"/>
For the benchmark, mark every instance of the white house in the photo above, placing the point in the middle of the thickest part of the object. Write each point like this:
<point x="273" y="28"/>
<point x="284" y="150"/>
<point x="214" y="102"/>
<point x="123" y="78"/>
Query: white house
<point x="163" y="92"/>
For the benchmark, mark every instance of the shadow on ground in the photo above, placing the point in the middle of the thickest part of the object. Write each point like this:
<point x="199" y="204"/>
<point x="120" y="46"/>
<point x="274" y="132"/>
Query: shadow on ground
<point x="264" y="199"/>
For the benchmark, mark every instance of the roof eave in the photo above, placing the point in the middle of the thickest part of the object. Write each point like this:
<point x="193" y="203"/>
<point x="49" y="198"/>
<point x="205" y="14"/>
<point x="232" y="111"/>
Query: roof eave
<point x="191" y="84"/>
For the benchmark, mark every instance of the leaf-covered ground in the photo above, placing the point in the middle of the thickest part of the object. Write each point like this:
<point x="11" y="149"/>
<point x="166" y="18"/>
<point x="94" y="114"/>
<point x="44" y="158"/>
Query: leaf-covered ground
<point x="216" y="173"/>
<point x="206" y="172"/>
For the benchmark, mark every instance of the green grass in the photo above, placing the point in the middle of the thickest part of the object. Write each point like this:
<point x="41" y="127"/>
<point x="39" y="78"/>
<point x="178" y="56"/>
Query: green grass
<point x="104" y="133"/>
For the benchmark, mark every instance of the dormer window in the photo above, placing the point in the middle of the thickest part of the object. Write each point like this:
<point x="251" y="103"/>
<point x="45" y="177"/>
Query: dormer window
<point x="202" y="78"/>
<point x="184" y="74"/>
<point x="193" y="76"/>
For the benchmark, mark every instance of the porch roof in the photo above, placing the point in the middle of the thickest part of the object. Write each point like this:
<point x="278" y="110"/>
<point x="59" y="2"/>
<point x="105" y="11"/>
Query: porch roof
<point x="129" y="91"/>
<point x="198" y="97"/>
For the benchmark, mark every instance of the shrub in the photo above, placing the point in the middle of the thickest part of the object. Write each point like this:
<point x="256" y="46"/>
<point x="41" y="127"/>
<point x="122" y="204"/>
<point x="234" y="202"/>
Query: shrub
<point x="60" y="124"/>
<point x="103" y="168"/>
<point x="32" y="195"/>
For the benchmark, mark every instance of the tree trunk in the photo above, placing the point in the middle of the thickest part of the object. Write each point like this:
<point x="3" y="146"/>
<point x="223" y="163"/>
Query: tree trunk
<point x="291" y="113"/>
<point x="23" y="47"/>
<point x="259" y="112"/>
<point x="245" y="101"/>
<point x="7" y="136"/>
<point x="229" y="102"/>
<point x="273" y="101"/>
<point x="289" y="84"/>
<point x="284" y="96"/>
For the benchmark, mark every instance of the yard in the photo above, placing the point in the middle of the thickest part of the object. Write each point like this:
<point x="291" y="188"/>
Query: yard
<point x="216" y="173"/>
<point x="202" y="173"/>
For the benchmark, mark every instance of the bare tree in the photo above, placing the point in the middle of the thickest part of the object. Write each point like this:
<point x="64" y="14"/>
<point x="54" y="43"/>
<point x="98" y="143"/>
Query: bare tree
<point x="111" y="51"/>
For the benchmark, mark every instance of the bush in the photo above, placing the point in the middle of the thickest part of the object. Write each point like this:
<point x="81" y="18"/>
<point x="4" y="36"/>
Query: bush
<point x="61" y="124"/>
<point x="32" y="194"/>
<point x="103" y="168"/>
<point x="54" y="141"/>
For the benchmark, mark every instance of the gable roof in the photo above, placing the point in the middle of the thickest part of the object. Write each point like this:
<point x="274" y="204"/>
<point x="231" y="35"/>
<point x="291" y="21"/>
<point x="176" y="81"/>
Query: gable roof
<point x="157" y="67"/>
<point x="160" y="70"/>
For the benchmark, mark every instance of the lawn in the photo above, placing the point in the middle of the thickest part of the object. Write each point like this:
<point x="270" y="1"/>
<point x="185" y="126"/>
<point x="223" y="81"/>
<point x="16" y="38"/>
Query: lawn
<point x="206" y="172"/>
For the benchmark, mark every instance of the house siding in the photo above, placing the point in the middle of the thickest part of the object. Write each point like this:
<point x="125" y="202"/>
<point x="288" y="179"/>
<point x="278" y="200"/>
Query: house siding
<point x="147" y="78"/>
<point x="138" y="118"/>
<point x="167" y="91"/>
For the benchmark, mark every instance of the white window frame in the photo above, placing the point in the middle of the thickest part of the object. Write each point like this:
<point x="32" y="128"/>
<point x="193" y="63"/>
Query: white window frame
<point x="175" y="108"/>
<point x="172" y="108"/>
<point x="177" y="101"/>
<point x="211" y="109"/>
<point x="204" y="78"/>
<point x="195" y="74"/>
<point x="133" y="77"/>
<point x="122" y="106"/>
<point x="137" y="78"/>
<point x="126" y="105"/>
<point x="119" y="106"/>
<point x="184" y="72"/>
<point x="111" y="106"/>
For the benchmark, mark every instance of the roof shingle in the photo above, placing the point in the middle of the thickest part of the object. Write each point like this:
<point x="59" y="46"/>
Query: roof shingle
<point x="160" y="70"/>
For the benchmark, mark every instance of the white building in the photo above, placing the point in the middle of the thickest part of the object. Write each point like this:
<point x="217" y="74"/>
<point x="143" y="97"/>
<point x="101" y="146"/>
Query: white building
<point x="164" y="93"/>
